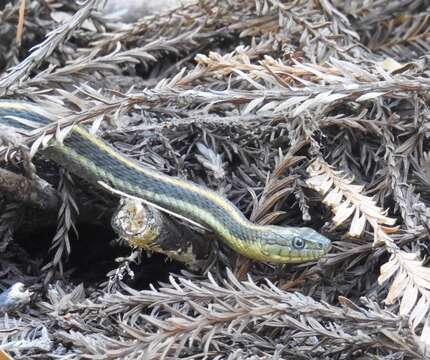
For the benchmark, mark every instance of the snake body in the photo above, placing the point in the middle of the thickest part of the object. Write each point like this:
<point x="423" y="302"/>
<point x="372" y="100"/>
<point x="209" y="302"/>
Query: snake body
<point x="92" y="159"/>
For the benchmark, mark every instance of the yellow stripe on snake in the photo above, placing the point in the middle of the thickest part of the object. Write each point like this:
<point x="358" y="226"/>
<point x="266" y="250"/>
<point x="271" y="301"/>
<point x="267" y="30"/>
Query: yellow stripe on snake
<point x="90" y="158"/>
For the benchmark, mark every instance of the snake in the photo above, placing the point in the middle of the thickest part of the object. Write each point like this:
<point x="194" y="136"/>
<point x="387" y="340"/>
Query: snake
<point x="92" y="159"/>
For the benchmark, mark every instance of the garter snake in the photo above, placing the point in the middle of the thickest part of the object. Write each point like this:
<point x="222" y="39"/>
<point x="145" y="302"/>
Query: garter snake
<point x="92" y="159"/>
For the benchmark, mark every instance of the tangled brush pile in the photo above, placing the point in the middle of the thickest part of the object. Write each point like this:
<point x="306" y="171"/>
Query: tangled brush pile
<point x="302" y="112"/>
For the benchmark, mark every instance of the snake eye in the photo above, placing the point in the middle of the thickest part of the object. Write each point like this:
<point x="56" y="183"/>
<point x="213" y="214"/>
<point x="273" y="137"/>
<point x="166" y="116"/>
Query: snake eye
<point x="298" y="243"/>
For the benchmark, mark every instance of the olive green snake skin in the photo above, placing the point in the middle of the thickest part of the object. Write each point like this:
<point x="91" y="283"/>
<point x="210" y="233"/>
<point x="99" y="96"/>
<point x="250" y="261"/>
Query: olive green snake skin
<point x="90" y="158"/>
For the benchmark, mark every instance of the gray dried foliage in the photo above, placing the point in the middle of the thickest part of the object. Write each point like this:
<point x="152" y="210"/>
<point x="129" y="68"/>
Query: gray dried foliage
<point x="66" y="225"/>
<point x="302" y="113"/>
<point x="9" y="220"/>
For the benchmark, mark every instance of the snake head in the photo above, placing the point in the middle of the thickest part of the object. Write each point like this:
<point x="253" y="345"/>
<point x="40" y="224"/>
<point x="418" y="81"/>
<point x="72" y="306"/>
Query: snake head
<point x="294" y="245"/>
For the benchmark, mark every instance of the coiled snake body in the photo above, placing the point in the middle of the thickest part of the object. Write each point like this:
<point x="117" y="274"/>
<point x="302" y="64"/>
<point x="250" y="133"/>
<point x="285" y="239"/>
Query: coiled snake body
<point x="90" y="158"/>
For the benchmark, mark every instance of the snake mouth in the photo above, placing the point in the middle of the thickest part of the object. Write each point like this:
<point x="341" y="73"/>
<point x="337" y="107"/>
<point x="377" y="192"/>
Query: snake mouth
<point x="312" y="255"/>
<point x="295" y="257"/>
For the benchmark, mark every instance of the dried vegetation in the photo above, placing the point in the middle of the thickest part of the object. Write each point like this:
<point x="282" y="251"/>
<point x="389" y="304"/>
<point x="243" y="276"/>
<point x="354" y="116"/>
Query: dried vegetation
<point x="302" y="112"/>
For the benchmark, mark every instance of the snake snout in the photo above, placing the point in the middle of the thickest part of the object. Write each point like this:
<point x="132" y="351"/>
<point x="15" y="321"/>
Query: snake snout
<point x="316" y="240"/>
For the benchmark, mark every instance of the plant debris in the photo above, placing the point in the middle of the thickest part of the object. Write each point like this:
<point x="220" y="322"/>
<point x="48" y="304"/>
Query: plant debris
<point x="302" y="113"/>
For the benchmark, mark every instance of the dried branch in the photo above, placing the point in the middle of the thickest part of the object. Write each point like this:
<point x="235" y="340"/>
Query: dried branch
<point x="347" y="200"/>
<point x="238" y="96"/>
<point x="198" y="317"/>
<point x="21" y="71"/>
<point x="35" y="191"/>
<point x="412" y="281"/>
<point x="66" y="222"/>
